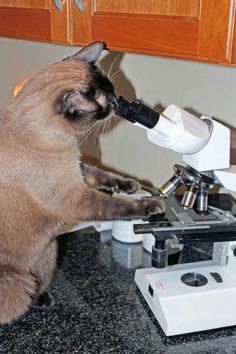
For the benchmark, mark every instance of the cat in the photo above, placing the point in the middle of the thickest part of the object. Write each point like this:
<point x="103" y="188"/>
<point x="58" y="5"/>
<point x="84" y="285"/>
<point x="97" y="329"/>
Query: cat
<point x="43" y="185"/>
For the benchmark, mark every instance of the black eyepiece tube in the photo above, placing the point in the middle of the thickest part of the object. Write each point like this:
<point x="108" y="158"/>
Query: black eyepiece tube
<point x="136" y="111"/>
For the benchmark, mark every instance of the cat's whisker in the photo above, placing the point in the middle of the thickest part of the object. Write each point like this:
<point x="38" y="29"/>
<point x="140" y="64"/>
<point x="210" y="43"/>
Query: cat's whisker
<point x="95" y="128"/>
<point x="114" y="74"/>
<point x="97" y="137"/>
<point x="88" y="132"/>
<point x="113" y="63"/>
<point x="110" y="123"/>
<point x="104" y="128"/>
<point x="97" y="131"/>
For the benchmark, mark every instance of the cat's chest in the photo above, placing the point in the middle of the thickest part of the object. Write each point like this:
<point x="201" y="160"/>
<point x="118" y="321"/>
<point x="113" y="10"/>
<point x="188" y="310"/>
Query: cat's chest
<point x="39" y="171"/>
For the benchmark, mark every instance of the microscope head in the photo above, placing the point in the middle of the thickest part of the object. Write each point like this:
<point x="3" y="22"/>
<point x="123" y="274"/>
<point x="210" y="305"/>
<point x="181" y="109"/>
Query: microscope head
<point x="203" y="142"/>
<point x="213" y="154"/>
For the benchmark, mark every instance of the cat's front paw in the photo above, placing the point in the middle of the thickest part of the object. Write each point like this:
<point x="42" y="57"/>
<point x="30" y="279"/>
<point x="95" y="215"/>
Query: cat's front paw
<point x="151" y="206"/>
<point x="128" y="185"/>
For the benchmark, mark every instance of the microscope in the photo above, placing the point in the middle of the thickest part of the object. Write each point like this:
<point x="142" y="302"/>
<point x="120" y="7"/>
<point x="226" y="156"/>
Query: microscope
<point x="196" y="296"/>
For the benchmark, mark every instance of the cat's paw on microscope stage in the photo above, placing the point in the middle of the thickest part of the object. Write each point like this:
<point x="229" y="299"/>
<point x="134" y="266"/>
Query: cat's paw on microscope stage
<point x="128" y="185"/>
<point x="120" y="185"/>
<point x="152" y="206"/>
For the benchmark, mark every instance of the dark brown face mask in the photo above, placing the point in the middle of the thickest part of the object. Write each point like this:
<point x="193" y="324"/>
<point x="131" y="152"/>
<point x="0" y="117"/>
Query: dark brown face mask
<point x="97" y="100"/>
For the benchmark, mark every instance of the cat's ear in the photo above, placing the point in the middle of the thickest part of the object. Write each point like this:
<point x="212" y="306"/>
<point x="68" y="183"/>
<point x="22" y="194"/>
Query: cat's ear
<point x="88" y="54"/>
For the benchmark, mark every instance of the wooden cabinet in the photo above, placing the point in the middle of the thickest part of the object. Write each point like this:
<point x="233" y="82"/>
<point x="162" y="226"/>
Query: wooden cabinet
<point x="192" y="29"/>
<point x="34" y="19"/>
<point x="25" y="19"/>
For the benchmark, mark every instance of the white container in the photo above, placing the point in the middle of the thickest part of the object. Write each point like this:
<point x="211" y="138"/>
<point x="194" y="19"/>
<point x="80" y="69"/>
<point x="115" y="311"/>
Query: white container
<point x="123" y="231"/>
<point x="148" y="242"/>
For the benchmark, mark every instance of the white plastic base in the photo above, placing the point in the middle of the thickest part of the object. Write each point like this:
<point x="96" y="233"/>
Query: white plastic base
<point x="180" y="308"/>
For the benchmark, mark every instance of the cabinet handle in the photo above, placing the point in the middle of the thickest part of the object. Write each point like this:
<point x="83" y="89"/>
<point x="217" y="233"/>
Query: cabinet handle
<point x="79" y="4"/>
<point x="59" y="4"/>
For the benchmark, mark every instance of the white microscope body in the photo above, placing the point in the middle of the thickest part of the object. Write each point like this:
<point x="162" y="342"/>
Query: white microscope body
<point x="202" y="295"/>
<point x="180" y="307"/>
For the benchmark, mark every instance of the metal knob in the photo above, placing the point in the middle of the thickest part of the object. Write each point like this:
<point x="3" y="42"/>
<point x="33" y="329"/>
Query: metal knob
<point x="159" y="254"/>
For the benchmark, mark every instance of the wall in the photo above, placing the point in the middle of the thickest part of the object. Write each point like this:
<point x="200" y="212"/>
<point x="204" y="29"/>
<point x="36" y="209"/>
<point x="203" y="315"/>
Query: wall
<point x="204" y="88"/>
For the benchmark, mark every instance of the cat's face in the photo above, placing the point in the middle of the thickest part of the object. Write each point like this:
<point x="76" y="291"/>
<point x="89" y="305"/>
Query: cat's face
<point x="74" y="90"/>
<point x="89" y="98"/>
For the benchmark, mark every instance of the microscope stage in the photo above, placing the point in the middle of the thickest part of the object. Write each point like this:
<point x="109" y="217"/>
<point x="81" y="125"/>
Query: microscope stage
<point x="189" y="297"/>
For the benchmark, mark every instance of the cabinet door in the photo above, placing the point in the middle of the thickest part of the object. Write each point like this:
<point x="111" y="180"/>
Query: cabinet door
<point x="44" y="20"/>
<point x="194" y="29"/>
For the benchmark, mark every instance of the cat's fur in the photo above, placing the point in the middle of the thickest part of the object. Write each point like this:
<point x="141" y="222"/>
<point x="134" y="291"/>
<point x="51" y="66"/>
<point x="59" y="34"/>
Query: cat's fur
<point x="43" y="188"/>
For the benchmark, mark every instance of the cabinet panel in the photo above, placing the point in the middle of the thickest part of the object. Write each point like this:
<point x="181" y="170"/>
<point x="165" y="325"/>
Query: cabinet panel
<point x="165" y="36"/>
<point x="192" y="29"/>
<point x="60" y="24"/>
<point x="201" y="30"/>
<point x="25" y="23"/>
<point x="32" y="4"/>
<point x="81" y="23"/>
<point x="189" y="8"/>
<point x="164" y="27"/>
<point x="216" y="30"/>
<point x="27" y="19"/>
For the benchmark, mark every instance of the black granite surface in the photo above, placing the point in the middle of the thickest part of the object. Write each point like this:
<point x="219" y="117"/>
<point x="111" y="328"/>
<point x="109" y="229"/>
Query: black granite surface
<point x="99" y="309"/>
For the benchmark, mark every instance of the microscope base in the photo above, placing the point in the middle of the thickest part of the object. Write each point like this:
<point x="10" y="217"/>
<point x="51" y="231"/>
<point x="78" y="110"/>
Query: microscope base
<point x="207" y="302"/>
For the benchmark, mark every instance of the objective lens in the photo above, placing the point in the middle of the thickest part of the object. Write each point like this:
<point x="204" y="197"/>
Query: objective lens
<point x="170" y="186"/>
<point x="202" y="201"/>
<point x="189" y="196"/>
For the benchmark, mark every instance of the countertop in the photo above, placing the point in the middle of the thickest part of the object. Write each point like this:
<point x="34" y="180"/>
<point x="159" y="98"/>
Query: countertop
<point x="99" y="309"/>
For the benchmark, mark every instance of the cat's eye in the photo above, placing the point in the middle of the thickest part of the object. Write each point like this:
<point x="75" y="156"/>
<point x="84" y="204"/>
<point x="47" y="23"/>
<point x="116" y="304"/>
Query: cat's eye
<point x="90" y="94"/>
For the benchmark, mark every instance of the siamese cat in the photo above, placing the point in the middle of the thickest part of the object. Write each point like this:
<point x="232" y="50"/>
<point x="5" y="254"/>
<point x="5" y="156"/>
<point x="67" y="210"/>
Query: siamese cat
<point x="43" y="185"/>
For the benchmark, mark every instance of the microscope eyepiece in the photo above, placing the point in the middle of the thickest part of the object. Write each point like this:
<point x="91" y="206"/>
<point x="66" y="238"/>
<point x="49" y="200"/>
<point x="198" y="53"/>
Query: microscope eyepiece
<point x="136" y="112"/>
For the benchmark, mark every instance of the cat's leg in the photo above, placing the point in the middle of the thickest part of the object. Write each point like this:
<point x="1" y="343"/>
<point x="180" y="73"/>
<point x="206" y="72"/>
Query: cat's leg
<point x="107" y="181"/>
<point x="43" y="270"/>
<point x="25" y="231"/>
<point x="17" y="292"/>
<point x="91" y="205"/>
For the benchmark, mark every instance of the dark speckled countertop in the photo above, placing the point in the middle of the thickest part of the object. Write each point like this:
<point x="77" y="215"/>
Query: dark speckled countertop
<point x="99" y="308"/>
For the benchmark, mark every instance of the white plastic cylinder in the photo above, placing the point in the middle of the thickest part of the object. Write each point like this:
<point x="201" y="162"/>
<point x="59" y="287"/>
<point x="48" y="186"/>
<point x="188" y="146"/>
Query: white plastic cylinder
<point x="179" y="130"/>
<point x="166" y="127"/>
